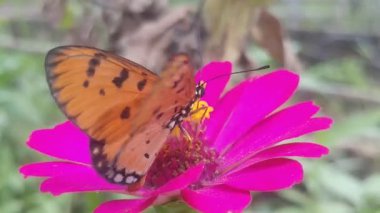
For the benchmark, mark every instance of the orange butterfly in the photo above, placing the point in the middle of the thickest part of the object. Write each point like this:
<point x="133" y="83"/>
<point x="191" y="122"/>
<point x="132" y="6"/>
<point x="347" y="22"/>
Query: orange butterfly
<point x="127" y="110"/>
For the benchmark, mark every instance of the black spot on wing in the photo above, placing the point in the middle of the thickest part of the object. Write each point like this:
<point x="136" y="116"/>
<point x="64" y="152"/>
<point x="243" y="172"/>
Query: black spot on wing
<point x="180" y="90"/>
<point x="123" y="76"/>
<point x="86" y="83"/>
<point x="92" y="64"/>
<point x="125" y="113"/>
<point x="159" y="115"/>
<point x="90" y="71"/>
<point x="102" y="92"/>
<point x="141" y="84"/>
<point x="146" y="155"/>
<point x="175" y="84"/>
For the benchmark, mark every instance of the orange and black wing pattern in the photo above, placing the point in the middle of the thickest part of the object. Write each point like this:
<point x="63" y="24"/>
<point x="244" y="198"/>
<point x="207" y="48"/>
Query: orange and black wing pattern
<point x="126" y="110"/>
<point x="97" y="90"/>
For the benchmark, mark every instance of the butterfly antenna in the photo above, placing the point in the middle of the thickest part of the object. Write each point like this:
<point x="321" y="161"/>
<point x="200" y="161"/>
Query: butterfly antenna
<point x="244" y="71"/>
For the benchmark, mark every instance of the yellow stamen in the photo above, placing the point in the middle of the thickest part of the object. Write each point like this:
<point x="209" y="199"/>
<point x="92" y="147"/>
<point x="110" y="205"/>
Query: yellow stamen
<point x="200" y="110"/>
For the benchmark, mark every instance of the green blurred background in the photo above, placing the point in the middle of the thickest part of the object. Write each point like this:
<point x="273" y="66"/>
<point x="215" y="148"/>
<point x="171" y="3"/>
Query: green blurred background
<point x="334" y="45"/>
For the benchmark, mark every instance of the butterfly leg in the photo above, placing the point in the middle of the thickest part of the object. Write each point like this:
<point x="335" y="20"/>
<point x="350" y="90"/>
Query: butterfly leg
<point x="198" y="127"/>
<point x="204" y="114"/>
<point x="185" y="133"/>
<point x="205" y="109"/>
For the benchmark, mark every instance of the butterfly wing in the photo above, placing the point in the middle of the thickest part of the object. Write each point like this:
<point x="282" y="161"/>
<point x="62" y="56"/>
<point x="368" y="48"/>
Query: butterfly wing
<point x="151" y="126"/>
<point x="124" y="108"/>
<point x="97" y="90"/>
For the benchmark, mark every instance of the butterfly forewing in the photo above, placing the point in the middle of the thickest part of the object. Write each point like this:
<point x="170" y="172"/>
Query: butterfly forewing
<point x="97" y="90"/>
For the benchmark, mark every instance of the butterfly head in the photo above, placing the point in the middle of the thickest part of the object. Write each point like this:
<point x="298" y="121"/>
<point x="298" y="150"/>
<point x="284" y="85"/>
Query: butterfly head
<point x="200" y="90"/>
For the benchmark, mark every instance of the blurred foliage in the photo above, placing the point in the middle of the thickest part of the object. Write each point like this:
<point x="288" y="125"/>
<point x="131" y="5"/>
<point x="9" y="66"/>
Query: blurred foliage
<point x="24" y="105"/>
<point x="346" y="87"/>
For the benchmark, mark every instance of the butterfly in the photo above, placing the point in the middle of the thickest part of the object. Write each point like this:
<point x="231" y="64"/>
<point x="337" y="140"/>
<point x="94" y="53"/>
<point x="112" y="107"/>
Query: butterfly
<point x="126" y="110"/>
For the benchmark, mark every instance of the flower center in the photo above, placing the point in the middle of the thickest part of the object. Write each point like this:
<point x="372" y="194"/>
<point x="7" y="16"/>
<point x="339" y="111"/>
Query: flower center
<point x="184" y="149"/>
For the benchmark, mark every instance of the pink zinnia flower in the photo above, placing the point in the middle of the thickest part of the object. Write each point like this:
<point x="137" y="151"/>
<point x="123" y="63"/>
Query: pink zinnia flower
<point x="212" y="168"/>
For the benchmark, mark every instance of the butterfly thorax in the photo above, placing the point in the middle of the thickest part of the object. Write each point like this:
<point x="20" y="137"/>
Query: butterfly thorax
<point x="185" y="111"/>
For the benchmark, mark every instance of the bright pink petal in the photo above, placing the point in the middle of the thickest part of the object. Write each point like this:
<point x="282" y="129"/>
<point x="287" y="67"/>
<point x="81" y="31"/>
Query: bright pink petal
<point x="214" y="86"/>
<point x="270" y="175"/>
<point x="85" y="181"/>
<point x="299" y="149"/>
<point x="123" y="206"/>
<point x="312" y="125"/>
<point x="272" y="130"/>
<point x="65" y="141"/>
<point x="182" y="181"/>
<point x="217" y="199"/>
<point x="52" y="169"/>
<point x="222" y="111"/>
<point x="260" y="97"/>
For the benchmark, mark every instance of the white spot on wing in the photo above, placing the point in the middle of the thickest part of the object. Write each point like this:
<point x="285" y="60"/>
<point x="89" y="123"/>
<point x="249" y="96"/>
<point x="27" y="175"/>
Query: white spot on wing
<point x="130" y="179"/>
<point x="118" y="178"/>
<point x="110" y="174"/>
<point x="100" y="164"/>
<point x="95" y="151"/>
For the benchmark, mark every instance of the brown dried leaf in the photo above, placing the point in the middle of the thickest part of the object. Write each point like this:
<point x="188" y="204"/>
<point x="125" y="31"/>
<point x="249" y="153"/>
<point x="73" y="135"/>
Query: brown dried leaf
<point x="228" y="24"/>
<point x="268" y="33"/>
<point x="292" y="61"/>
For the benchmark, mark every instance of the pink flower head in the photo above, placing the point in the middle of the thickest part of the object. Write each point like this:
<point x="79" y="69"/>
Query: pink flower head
<point x="216" y="164"/>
